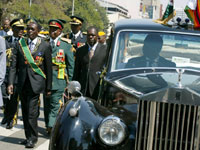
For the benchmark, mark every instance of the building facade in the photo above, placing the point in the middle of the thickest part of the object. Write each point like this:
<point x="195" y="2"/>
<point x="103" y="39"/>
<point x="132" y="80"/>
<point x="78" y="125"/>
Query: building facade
<point x="151" y="9"/>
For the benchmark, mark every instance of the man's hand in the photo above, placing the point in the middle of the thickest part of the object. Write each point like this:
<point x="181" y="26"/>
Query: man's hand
<point x="48" y="93"/>
<point x="10" y="89"/>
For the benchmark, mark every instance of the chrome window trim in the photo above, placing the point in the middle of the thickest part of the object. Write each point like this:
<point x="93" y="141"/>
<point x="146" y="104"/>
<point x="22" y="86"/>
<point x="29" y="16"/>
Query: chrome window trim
<point x="113" y="59"/>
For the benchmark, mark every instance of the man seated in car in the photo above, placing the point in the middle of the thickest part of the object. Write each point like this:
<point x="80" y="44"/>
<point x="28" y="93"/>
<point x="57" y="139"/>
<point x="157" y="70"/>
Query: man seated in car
<point x="152" y="46"/>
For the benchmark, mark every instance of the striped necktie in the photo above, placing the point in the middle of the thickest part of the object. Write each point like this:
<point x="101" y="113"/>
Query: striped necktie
<point x="52" y="44"/>
<point x="91" y="53"/>
<point x="31" y="46"/>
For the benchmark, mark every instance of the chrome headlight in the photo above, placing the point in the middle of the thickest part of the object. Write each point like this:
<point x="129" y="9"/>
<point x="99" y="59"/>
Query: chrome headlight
<point x="112" y="131"/>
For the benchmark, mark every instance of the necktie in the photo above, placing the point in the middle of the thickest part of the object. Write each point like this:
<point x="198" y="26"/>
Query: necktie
<point x="91" y="53"/>
<point x="52" y="44"/>
<point x="73" y="38"/>
<point x="16" y="39"/>
<point x="31" y="46"/>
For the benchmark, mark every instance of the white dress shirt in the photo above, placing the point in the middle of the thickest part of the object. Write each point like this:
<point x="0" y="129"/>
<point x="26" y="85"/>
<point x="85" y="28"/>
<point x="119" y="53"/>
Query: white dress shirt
<point x="32" y="44"/>
<point x="76" y="35"/>
<point x="14" y="39"/>
<point x="55" y="40"/>
<point x="93" y="47"/>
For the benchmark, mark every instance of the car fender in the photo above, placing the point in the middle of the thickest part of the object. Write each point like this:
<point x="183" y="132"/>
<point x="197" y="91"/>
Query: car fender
<point x="80" y="130"/>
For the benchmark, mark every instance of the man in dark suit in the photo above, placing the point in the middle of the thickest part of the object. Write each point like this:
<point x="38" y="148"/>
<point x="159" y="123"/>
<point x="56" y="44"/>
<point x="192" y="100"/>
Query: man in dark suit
<point x="90" y="59"/>
<point x="31" y="60"/>
<point x="151" y="49"/>
<point x="11" y="103"/>
<point x="77" y="37"/>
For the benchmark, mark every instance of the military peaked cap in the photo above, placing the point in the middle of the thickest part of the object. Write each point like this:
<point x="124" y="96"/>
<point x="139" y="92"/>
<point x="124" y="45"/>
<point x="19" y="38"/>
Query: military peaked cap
<point x="76" y="20"/>
<point x="17" y="23"/>
<point x="57" y="23"/>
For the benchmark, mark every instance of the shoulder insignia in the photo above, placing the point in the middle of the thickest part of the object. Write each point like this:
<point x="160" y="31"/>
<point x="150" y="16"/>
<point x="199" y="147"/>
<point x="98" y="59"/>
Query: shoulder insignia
<point x="73" y="49"/>
<point x="66" y="40"/>
<point x="9" y="53"/>
<point x="66" y="35"/>
<point x="85" y="33"/>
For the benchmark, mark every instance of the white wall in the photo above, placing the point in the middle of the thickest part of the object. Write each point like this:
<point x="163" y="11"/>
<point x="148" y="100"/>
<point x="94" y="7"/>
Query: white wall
<point x="133" y="6"/>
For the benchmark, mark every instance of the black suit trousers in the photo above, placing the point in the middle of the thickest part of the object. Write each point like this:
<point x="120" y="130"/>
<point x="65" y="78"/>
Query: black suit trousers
<point x="5" y="95"/>
<point x="30" y="111"/>
<point x="12" y="105"/>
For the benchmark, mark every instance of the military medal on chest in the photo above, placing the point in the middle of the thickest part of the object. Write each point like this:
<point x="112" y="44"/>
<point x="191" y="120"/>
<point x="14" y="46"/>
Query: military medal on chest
<point x="39" y="59"/>
<point x="60" y="57"/>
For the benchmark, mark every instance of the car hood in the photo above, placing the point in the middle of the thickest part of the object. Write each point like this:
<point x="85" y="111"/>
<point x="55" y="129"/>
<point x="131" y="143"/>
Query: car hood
<point x="143" y="85"/>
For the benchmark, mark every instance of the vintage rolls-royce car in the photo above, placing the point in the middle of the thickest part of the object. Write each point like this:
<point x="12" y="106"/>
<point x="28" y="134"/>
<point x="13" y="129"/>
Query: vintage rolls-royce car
<point x="149" y="97"/>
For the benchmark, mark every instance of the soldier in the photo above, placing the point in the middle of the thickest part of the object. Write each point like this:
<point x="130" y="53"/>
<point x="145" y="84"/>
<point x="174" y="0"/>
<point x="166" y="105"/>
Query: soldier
<point x="11" y="104"/>
<point x="63" y="66"/>
<point x="77" y="37"/>
<point x="6" y="28"/>
<point x="31" y="61"/>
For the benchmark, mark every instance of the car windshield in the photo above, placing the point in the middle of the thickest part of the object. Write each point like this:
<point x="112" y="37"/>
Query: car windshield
<point x="135" y="49"/>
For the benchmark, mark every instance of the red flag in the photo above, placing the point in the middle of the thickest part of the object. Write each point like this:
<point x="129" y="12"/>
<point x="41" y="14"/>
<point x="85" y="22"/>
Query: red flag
<point x="192" y="10"/>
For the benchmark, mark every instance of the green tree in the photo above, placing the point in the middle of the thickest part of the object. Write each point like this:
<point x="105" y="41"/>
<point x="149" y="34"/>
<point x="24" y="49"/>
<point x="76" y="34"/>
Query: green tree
<point x="92" y="13"/>
<point x="43" y="10"/>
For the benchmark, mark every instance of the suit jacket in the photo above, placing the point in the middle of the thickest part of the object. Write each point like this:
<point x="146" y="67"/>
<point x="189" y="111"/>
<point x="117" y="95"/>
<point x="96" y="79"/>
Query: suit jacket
<point x="86" y="70"/>
<point x="2" y="64"/>
<point x="20" y="66"/>
<point x="142" y="62"/>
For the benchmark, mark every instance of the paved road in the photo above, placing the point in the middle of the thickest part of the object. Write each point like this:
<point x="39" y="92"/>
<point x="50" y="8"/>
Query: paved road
<point x="9" y="138"/>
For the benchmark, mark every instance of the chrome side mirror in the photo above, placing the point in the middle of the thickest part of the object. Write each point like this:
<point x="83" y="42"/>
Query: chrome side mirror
<point x="74" y="88"/>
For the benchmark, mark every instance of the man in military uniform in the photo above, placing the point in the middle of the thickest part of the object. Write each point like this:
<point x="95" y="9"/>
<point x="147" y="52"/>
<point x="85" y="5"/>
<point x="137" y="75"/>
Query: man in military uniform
<point x="31" y="61"/>
<point x="63" y="66"/>
<point x="77" y="37"/>
<point x="11" y="104"/>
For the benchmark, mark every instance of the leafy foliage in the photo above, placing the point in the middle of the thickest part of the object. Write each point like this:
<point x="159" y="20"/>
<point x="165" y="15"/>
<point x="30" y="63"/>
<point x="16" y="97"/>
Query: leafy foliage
<point x="43" y="10"/>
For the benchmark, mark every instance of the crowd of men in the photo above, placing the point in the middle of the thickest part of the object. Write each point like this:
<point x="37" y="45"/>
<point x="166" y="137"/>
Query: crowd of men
<point x="37" y="65"/>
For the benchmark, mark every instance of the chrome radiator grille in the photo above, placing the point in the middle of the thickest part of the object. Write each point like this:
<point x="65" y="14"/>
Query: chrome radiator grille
<point x="164" y="126"/>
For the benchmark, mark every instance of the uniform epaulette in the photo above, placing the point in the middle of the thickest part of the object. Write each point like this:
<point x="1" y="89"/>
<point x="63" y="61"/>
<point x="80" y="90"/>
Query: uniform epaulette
<point x="85" y="33"/>
<point x="66" y="35"/>
<point x="9" y="53"/>
<point x="66" y="40"/>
